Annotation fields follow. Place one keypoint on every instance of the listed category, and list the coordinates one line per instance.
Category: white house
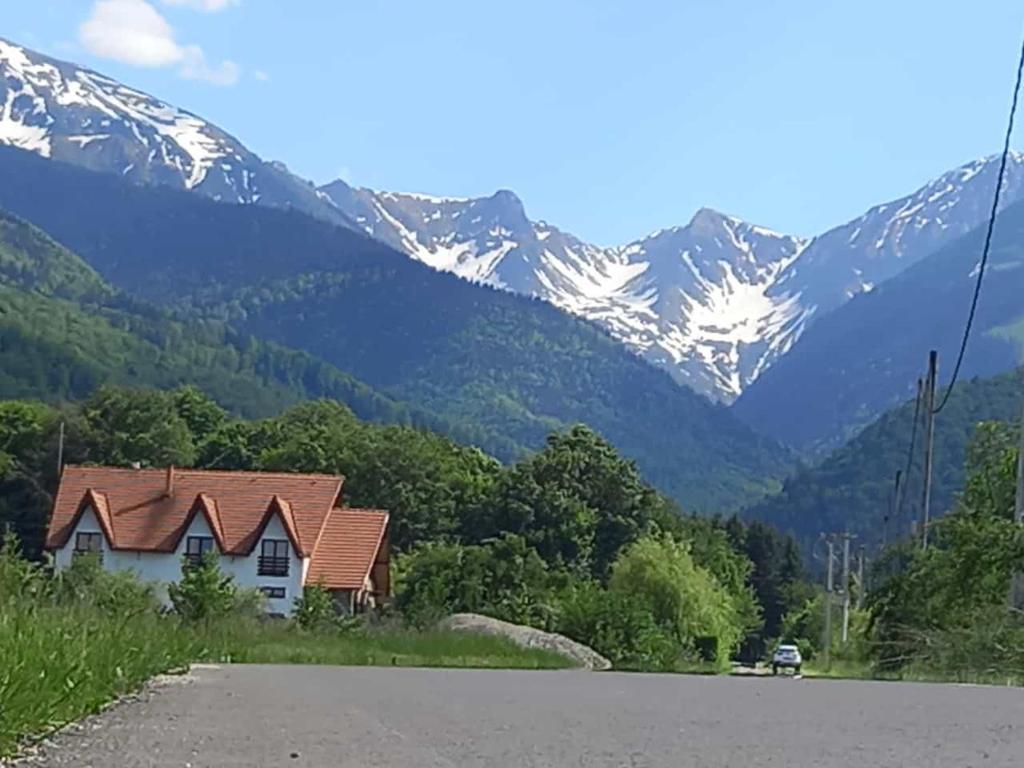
(276, 532)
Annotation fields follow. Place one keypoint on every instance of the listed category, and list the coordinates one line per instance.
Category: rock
(528, 637)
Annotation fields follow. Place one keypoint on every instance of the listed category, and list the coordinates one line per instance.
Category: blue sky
(609, 119)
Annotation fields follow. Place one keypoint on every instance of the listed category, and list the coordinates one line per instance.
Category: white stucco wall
(162, 568)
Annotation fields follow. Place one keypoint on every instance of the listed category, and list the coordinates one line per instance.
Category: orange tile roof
(347, 548)
(136, 513)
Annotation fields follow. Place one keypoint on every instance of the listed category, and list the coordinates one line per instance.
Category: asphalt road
(329, 716)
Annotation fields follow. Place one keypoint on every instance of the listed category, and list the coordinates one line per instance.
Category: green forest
(852, 488)
(493, 369)
(568, 538)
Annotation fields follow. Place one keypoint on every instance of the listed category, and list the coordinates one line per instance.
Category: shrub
(502, 578)
(315, 612)
(117, 593)
(204, 592)
(685, 600)
(616, 627)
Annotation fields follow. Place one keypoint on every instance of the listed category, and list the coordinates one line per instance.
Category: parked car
(786, 657)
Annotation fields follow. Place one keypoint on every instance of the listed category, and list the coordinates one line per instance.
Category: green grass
(277, 643)
(860, 670)
(71, 645)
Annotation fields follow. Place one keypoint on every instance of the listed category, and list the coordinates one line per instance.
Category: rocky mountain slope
(865, 357)
(716, 302)
(66, 112)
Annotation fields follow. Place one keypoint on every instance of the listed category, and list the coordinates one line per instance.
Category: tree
(684, 599)
(960, 583)
(502, 578)
(577, 502)
(201, 414)
(137, 425)
(616, 626)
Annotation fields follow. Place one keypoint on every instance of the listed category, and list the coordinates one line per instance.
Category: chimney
(169, 490)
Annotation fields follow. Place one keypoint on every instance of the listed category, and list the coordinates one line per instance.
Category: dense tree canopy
(568, 538)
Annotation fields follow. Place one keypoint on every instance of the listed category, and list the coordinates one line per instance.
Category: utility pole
(1018, 507)
(846, 587)
(861, 586)
(60, 451)
(894, 505)
(929, 440)
(1017, 579)
(828, 604)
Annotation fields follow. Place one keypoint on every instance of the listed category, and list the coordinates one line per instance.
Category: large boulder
(528, 637)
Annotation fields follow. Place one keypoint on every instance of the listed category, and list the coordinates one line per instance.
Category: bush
(685, 600)
(503, 578)
(616, 627)
(117, 593)
(315, 612)
(204, 592)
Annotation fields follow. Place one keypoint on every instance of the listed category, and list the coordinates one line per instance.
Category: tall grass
(71, 644)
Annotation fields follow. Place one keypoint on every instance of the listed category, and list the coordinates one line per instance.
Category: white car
(786, 657)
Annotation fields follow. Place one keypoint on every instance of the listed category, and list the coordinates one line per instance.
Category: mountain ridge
(516, 368)
(715, 302)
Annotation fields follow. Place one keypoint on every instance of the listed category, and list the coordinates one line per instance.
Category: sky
(610, 119)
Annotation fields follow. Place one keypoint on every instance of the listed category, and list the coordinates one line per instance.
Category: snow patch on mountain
(76, 115)
(715, 302)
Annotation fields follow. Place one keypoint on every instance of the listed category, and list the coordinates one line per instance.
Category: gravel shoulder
(335, 716)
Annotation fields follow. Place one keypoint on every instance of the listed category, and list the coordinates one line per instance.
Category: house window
(273, 559)
(196, 547)
(274, 593)
(89, 544)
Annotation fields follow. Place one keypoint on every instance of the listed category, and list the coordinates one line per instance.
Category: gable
(235, 506)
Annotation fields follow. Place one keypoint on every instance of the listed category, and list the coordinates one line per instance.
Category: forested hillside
(514, 367)
(64, 331)
(850, 490)
(547, 541)
(864, 357)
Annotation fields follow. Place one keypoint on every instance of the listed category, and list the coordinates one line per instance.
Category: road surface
(330, 716)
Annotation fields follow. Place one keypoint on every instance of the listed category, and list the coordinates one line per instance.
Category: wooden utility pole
(1017, 579)
(828, 605)
(846, 588)
(894, 506)
(929, 441)
(1018, 506)
(60, 451)
(861, 586)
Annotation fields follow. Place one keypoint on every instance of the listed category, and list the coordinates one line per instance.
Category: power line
(902, 490)
(988, 236)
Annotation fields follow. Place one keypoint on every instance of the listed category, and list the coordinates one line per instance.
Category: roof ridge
(196, 470)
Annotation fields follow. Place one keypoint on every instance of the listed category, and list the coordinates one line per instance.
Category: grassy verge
(60, 664)
(70, 645)
(277, 643)
(858, 670)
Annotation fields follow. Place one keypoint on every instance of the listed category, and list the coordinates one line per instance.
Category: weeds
(70, 644)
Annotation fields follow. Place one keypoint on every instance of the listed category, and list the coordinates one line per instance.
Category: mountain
(64, 331)
(514, 366)
(850, 489)
(865, 357)
(716, 302)
(69, 113)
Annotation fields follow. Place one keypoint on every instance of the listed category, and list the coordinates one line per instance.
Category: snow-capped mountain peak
(715, 301)
(69, 113)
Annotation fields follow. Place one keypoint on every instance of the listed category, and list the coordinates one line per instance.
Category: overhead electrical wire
(910, 452)
(988, 237)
